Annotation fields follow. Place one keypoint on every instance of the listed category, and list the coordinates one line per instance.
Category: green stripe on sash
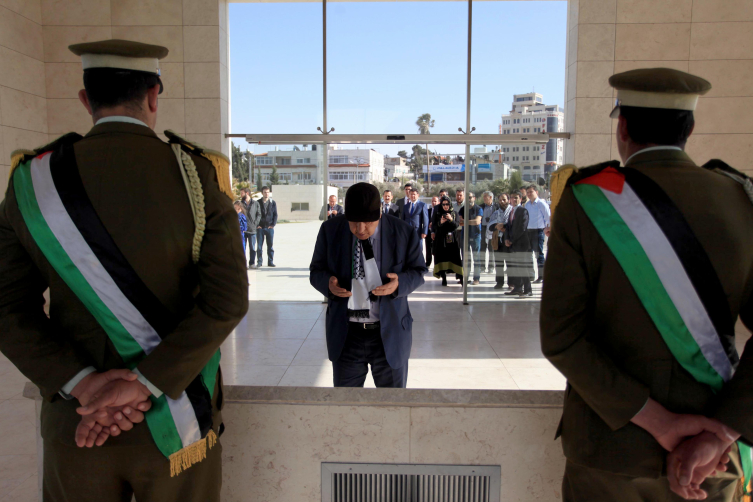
(747, 463)
(646, 283)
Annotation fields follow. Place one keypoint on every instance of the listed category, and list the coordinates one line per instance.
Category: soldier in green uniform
(646, 276)
(138, 243)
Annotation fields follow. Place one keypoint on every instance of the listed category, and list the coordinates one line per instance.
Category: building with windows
(395, 168)
(529, 115)
(301, 165)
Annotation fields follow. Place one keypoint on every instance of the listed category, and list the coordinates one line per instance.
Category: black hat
(362, 203)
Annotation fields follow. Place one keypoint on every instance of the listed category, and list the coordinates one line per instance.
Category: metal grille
(409, 483)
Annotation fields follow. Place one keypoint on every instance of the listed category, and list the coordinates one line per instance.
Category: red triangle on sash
(608, 179)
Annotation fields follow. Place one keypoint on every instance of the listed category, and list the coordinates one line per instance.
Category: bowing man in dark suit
(416, 215)
(516, 239)
(331, 209)
(388, 208)
(367, 265)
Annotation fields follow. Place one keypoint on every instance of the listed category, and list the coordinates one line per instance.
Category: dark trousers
(267, 234)
(500, 259)
(536, 238)
(519, 269)
(429, 244)
(586, 484)
(251, 238)
(474, 245)
(364, 347)
(115, 474)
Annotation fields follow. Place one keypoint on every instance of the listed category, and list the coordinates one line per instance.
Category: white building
(529, 115)
(396, 168)
(303, 165)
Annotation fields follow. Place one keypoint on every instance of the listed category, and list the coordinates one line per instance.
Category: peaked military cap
(657, 88)
(120, 55)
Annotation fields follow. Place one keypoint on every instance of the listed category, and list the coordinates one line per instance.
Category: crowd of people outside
(257, 220)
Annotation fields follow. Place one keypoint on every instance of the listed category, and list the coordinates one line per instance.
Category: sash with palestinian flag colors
(64, 224)
(669, 271)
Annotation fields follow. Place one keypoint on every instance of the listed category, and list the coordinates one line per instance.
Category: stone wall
(40, 78)
(710, 38)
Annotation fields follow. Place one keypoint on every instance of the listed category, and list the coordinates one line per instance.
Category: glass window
(264, 161)
(300, 206)
(338, 159)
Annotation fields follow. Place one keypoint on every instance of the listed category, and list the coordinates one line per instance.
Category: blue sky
(389, 62)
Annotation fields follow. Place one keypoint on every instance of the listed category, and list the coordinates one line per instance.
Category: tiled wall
(710, 38)
(40, 78)
(23, 104)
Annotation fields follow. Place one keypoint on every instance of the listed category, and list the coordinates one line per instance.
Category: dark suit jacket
(595, 330)
(517, 231)
(400, 203)
(210, 297)
(393, 210)
(270, 219)
(325, 208)
(400, 254)
(419, 219)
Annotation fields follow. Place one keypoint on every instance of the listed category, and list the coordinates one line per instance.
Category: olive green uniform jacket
(595, 330)
(135, 184)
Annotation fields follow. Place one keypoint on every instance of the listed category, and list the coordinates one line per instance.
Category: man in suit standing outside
(388, 208)
(253, 215)
(331, 209)
(367, 265)
(516, 240)
(416, 215)
(401, 203)
(266, 228)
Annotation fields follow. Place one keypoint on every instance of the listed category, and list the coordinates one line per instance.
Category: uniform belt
(366, 325)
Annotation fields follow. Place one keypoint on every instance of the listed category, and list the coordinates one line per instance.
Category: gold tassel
(222, 165)
(558, 182)
(16, 157)
(191, 454)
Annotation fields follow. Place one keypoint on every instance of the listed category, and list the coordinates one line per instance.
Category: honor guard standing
(138, 243)
(646, 277)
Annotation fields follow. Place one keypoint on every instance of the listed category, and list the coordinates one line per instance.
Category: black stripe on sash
(67, 179)
(68, 183)
(693, 257)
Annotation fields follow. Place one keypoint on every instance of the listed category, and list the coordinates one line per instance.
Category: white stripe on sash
(672, 274)
(104, 286)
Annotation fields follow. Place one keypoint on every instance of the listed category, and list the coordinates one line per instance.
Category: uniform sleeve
(736, 398)
(566, 337)
(220, 305)
(27, 337)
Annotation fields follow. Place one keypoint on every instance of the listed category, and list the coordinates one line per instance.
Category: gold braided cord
(191, 454)
(745, 182)
(196, 194)
(558, 182)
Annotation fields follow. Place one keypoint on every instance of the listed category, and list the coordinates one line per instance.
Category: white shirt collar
(653, 148)
(120, 118)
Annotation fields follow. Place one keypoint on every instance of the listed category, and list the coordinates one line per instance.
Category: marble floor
(455, 346)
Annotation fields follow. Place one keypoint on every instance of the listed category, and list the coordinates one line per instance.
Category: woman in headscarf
(445, 249)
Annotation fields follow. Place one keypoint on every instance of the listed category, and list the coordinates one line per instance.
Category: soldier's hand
(84, 391)
(693, 461)
(336, 290)
(116, 394)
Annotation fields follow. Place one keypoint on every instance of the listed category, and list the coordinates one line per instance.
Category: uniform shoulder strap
(721, 167)
(18, 157)
(218, 159)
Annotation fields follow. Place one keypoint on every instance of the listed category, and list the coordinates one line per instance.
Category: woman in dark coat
(445, 249)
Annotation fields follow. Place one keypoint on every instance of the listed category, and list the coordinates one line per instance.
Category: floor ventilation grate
(348, 482)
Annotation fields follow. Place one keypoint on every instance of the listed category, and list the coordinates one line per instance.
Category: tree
(258, 181)
(403, 154)
(274, 178)
(424, 123)
(516, 181)
(240, 163)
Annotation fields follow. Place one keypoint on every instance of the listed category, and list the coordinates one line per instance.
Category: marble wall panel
(729, 78)
(4, 173)
(30, 9)
(621, 66)
(23, 110)
(15, 139)
(596, 11)
(171, 114)
(167, 36)
(571, 81)
(67, 115)
(520, 440)
(591, 149)
(596, 42)
(659, 42)
(64, 80)
(592, 115)
(211, 141)
(201, 44)
(277, 450)
(58, 38)
(724, 115)
(572, 46)
(722, 41)
(20, 34)
(147, 12)
(21, 72)
(651, 11)
(734, 149)
(705, 11)
(593, 79)
(201, 13)
(78, 13)
(573, 11)
(203, 116)
(203, 80)
(224, 47)
(224, 11)
(173, 80)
